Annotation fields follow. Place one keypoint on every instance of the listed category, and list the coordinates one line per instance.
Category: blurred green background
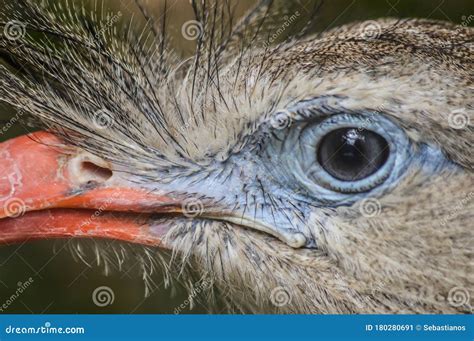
(62, 284)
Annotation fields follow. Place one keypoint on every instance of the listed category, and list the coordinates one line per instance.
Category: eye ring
(375, 124)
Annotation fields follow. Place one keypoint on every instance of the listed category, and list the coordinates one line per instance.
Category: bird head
(326, 174)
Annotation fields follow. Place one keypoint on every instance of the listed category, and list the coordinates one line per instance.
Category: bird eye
(351, 154)
(342, 154)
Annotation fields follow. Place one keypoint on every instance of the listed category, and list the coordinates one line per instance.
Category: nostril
(95, 172)
(89, 169)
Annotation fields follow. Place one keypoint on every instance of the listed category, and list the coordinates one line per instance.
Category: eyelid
(311, 109)
(318, 107)
(344, 120)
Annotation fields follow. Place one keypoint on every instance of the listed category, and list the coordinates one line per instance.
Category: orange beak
(48, 190)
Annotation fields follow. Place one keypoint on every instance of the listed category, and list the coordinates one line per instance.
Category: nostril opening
(95, 172)
(87, 169)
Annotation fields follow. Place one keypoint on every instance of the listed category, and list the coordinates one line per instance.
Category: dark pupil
(351, 154)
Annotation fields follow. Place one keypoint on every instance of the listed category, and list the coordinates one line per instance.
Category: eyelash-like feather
(72, 69)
